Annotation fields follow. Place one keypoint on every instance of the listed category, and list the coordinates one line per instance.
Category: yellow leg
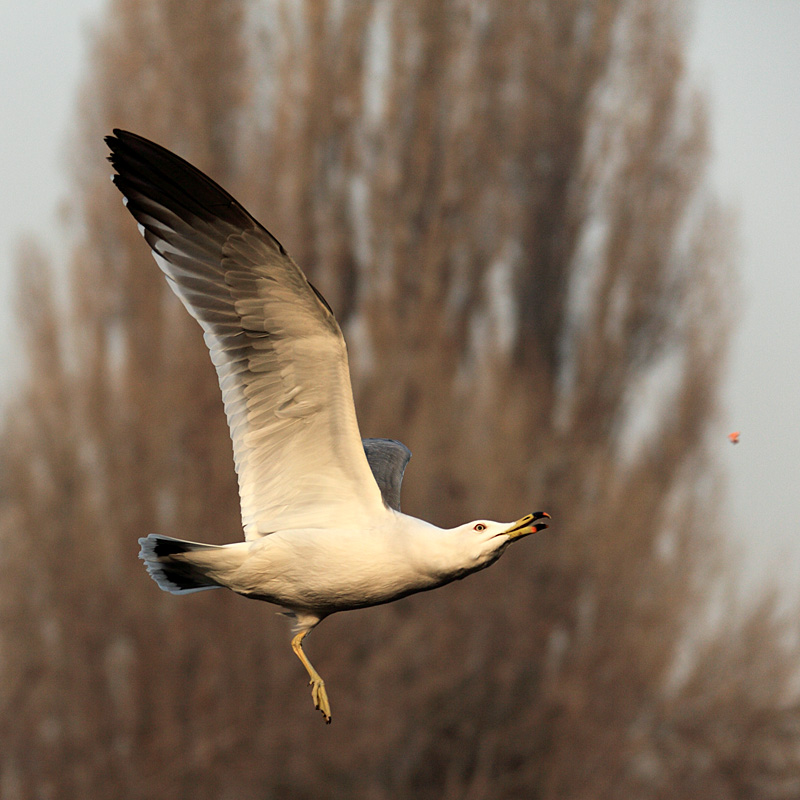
(318, 693)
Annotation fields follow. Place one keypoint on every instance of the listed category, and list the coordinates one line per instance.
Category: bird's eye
(479, 527)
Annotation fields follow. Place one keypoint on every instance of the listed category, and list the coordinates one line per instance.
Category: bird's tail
(161, 556)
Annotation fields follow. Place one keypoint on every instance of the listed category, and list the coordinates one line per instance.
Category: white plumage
(320, 508)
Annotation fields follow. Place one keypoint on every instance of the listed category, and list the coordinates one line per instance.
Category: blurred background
(547, 229)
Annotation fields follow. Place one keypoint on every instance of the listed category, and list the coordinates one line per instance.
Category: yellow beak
(527, 525)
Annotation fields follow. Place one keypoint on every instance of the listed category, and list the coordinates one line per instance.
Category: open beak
(527, 525)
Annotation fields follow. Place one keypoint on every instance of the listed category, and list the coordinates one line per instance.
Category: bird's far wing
(278, 350)
(387, 460)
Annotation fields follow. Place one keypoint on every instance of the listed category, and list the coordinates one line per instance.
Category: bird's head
(485, 540)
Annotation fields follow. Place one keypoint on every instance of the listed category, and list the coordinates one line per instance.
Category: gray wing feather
(279, 353)
(387, 459)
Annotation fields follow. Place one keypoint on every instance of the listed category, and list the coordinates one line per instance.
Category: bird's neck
(442, 553)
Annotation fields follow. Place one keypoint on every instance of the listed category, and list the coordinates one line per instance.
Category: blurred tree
(504, 204)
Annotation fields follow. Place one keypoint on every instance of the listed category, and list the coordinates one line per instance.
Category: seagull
(323, 530)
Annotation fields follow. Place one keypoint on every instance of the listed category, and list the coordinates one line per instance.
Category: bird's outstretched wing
(278, 350)
(387, 460)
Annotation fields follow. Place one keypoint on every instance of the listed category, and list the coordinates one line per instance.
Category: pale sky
(743, 54)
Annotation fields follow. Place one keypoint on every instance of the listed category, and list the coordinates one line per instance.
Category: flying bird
(323, 530)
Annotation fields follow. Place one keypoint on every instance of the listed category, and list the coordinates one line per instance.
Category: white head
(479, 543)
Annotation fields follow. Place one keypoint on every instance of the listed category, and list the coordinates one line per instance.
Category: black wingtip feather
(155, 171)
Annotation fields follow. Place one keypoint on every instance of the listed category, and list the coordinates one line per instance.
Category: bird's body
(320, 507)
(318, 571)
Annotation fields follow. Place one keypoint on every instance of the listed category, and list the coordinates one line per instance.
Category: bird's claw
(320, 698)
